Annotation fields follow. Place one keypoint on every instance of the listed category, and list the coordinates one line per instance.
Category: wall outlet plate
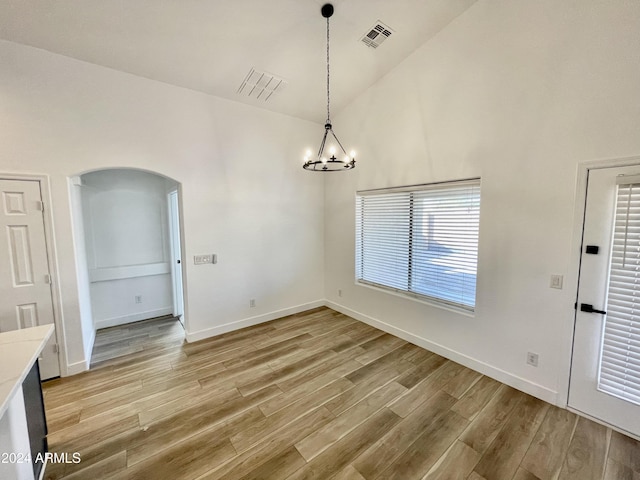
(556, 281)
(532, 359)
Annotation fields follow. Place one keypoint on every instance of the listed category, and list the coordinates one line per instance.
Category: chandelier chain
(328, 92)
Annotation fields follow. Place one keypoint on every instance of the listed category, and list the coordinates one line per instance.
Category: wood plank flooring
(316, 395)
(135, 337)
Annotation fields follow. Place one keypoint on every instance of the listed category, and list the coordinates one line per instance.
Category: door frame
(175, 235)
(573, 280)
(56, 299)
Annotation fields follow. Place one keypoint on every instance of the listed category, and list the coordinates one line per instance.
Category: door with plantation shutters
(605, 372)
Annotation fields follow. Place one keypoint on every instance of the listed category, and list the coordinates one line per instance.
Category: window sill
(417, 298)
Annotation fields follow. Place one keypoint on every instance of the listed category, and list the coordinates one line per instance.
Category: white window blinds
(620, 357)
(422, 241)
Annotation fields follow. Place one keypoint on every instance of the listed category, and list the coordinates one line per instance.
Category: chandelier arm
(341, 147)
(324, 139)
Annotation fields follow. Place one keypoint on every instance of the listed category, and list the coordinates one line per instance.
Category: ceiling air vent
(376, 35)
(260, 85)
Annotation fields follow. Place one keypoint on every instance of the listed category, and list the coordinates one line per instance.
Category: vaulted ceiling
(211, 46)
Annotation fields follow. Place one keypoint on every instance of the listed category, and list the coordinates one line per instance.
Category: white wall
(127, 235)
(518, 93)
(244, 195)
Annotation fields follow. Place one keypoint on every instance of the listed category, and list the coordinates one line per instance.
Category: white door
(176, 256)
(25, 290)
(605, 372)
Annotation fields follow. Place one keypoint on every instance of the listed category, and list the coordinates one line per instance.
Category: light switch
(204, 259)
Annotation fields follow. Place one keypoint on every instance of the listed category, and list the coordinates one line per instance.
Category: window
(421, 241)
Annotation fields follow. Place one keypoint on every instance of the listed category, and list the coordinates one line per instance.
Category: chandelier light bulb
(324, 160)
(332, 150)
(353, 154)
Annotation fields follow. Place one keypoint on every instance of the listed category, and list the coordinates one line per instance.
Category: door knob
(585, 307)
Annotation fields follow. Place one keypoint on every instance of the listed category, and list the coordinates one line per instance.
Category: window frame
(412, 295)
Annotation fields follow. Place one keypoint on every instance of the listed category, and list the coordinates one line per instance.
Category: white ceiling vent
(376, 35)
(260, 85)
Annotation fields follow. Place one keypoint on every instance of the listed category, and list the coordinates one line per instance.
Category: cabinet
(36, 419)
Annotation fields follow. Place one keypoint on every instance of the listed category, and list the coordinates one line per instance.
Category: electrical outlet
(138, 298)
(252, 303)
(556, 282)
(339, 293)
(532, 359)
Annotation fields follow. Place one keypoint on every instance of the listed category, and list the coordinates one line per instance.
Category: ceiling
(210, 46)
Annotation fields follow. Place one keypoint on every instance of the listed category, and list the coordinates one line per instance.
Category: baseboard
(507, 378)
(77, 367)
(134, 317)
(84, 365)
(251, 321)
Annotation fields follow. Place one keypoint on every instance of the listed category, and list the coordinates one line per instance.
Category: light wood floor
(316, 395)
(135, 337)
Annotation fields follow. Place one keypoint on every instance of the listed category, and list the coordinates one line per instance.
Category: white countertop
(19, 350)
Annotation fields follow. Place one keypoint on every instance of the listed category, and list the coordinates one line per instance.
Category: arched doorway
(130, 227)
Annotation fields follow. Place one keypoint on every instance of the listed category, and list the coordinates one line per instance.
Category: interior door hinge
(47, 279)
(40, 205)
(56, 349)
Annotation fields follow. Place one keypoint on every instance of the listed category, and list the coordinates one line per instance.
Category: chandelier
(336, 158)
